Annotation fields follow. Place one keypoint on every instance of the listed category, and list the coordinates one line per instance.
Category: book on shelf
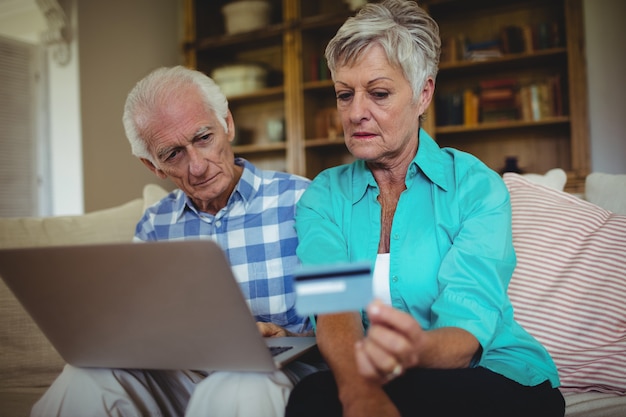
(497, 83)
(499, 100)
(549, 35)
(542, 99)
(314, 67)
(526, 108)
(497, 95)
(451, 49)
(512, 39)
(529, 38)
(557, 94)
(480, 51)
(457, 108)
(449, 109)
(318, 68)
(504, 113)
(471, 103)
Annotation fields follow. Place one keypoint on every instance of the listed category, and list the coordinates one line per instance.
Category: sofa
(28, 363)
(568, 290)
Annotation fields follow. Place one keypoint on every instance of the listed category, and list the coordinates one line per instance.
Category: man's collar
(246, 188)
(249, 182)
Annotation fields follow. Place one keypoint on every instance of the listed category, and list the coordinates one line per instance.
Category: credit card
(322, 289)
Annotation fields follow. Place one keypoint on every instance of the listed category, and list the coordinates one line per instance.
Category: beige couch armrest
(110, 225)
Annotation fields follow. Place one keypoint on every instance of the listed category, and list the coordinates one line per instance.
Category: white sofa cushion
(569, 286)
(555, 178)
(607, 190)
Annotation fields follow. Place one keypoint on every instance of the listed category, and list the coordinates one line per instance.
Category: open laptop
(157, 305)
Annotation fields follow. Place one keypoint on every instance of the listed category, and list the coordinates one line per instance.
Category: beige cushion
(28, 360)
(607, 191)
(151, 194)
(569, 286)
(595, 404)
(103, 226)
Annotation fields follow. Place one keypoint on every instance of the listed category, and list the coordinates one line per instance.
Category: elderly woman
(441, 339)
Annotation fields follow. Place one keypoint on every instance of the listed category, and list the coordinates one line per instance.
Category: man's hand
(272, 330)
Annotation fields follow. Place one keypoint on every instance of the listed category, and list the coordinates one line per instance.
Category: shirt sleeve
(475, 272)
(321, 240)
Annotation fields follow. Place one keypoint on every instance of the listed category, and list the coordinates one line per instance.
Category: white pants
(90, 392)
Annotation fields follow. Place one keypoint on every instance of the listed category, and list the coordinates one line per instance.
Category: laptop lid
(154, 305)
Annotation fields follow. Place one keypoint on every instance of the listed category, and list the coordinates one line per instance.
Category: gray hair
(408, 35)
(156, 90)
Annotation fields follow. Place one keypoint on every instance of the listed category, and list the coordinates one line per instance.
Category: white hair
(156, 90)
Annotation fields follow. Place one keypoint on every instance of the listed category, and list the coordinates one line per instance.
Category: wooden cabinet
(299, 95)
(540, 53)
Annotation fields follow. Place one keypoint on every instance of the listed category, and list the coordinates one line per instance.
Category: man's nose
(197, 163)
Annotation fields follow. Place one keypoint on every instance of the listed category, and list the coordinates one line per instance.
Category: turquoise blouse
(451, 249)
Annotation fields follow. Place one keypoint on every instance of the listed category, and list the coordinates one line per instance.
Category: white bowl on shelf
(240, 79)
(245, 15)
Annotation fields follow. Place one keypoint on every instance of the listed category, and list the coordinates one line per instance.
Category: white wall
(120, 41)
(606, 67)
(65, 139)
(87, 160)
(61, 173)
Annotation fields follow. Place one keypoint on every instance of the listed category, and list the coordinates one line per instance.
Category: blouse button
(394, 278)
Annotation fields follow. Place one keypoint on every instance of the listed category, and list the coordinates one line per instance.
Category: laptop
(154, 305)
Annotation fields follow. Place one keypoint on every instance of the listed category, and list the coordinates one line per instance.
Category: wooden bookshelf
(299, 92)
(557, 139)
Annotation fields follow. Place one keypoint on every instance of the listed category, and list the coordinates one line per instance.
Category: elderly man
(179, 125)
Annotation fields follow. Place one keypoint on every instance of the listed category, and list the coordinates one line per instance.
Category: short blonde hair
(408, 35)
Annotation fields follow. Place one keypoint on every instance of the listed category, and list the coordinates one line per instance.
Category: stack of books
(499, 100)
(511, 39)
(482, 51)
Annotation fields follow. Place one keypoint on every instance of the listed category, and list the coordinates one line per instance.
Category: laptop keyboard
(275, 350)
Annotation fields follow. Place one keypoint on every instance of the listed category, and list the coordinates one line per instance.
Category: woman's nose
(358, 109)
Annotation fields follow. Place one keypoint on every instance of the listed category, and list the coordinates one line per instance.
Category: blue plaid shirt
(256, 230)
